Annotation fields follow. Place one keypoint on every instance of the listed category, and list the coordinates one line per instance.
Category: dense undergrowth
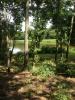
(44, 67)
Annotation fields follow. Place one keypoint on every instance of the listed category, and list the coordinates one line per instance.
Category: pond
(15, 50)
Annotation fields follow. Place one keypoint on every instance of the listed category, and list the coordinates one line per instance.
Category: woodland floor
(25, 86)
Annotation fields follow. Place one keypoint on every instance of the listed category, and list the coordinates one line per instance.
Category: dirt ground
(25, 86)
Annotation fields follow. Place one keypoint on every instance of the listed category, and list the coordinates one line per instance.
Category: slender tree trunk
(57, 27)
(7, 41)
(57, 45)
(68, 44)
(12, 49)
(61, 47)
(8, 54)
(26, 35)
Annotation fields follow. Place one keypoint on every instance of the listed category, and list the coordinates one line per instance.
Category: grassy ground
(46, 42)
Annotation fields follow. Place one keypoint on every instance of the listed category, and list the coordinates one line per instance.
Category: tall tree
(26, 50)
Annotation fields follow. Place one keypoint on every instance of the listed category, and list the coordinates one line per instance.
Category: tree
(26, 34)
(62, 13)
(7, 28)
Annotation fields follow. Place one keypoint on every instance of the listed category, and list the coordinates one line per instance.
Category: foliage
(19, 36)
(19, 58)
(51, 50)
(61, 95)
(50, 34)
(10, 19)
(63, 85)
(66, 69)
(57, 12)
(44, 70)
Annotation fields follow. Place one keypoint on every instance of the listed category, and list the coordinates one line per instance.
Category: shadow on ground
(25, 86)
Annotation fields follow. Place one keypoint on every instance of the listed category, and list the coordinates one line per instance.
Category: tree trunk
(8, 54)
(68, 44)
(61, 47)
(26, 35)
(57, 45)
(11, 53)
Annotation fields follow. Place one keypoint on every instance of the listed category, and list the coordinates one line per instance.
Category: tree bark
(26, 35)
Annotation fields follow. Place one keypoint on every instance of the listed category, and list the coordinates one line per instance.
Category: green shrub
(66, 69)
(61, 95)
(61, 68)
(19, 58)
(70, 70)
(44, 70)
(63, 85)
(51, 50)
